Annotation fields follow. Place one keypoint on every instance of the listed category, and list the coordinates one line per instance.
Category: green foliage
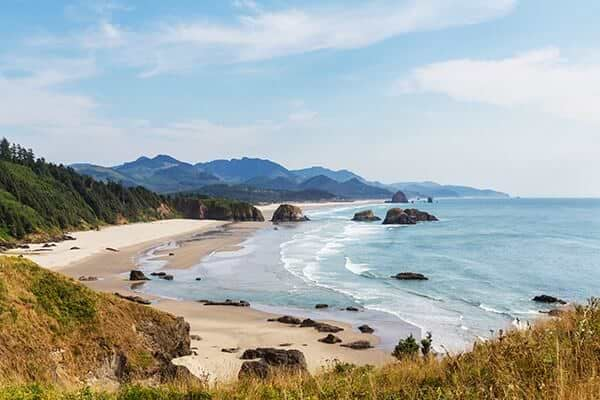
(66, 302)
(406, 348)
(426, 344)
(41, 198)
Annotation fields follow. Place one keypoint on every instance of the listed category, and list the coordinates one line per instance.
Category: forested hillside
(41, 200)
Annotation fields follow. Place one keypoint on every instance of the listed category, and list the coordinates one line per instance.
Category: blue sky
(499, 93)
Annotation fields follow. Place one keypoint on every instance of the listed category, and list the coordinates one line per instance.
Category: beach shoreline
(220, 327)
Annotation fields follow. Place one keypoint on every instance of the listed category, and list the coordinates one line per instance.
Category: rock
(330, 339)
(198, 278)
(285, 344)
(321, 306)
(136, 275)
(135, 299)
(410, 276)
(158, 274)
(353, 309)
(254, 369)
(167, 277)
(358, 345)
(430, 199)
(420, 216)
(366, 329)
(171, 254)
(68, 237)
(399, 197)
(365, 216)
(195, 337)
(87, 278)
(544, 298)
(556, 312)
(273, 361)
(46, 245)
(288, 213)
(320, 326)
(23, 246)
(287, 319)
(397, 216)
(74, 248)
(112, 249)
(228, 302)
(230, 350)
(407, 217)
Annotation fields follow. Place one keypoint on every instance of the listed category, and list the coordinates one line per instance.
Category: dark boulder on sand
(365, 216)
(286, 319)
(330, 339)
(136, 275)
(288, 213)
(358, 345)
(366, 329)
(272, 361)
(399, 197)
(544, 298)
(410, 276)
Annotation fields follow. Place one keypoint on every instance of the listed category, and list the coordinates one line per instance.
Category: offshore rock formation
(399, 197)
(410, 276)
(365, 216)
(288, 213)
(411, 216)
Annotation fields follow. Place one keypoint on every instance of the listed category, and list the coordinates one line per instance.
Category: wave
(355, 268)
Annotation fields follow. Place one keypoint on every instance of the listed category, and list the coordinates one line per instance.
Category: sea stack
(399, 197)
(365, 216)
(289, 213)
(398, 216)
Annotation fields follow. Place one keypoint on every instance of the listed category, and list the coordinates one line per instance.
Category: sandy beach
(219, 327)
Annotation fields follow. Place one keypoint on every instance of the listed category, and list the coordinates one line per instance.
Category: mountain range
(254, 179)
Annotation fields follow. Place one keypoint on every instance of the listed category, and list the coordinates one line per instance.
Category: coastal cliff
(219, 209)
(55, 330)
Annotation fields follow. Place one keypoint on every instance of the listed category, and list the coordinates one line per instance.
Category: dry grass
(53, 329)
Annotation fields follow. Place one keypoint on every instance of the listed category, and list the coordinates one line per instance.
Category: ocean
(485, 260)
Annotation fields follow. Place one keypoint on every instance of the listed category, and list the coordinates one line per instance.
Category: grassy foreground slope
(53, 329)
(558, 359)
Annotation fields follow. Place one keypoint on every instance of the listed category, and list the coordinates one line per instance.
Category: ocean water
(485, 260)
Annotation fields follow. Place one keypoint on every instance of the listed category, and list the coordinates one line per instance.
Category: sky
(501, 94)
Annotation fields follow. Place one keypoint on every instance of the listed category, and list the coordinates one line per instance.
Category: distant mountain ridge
(248, 176)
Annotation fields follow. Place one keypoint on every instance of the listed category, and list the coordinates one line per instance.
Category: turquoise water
(485, 260)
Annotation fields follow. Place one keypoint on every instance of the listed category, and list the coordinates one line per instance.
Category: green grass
(69, 304)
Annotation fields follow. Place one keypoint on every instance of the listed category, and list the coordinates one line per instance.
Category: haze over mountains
(263, 180)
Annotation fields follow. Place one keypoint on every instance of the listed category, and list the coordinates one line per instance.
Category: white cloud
(259, 34)
(540, 80)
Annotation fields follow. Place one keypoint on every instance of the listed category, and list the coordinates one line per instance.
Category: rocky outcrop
(228, 302)
(222, 210)
(366, 329)
(544, 298)
(365, 216)
(136, 275)
(272, 361)
(135, 299)
(286, 319)
(410, 276)
(320, 326)
(358, 345)
(330, 339)
(398, 216)
(321, 306)
(399, 197)
(288, 213)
